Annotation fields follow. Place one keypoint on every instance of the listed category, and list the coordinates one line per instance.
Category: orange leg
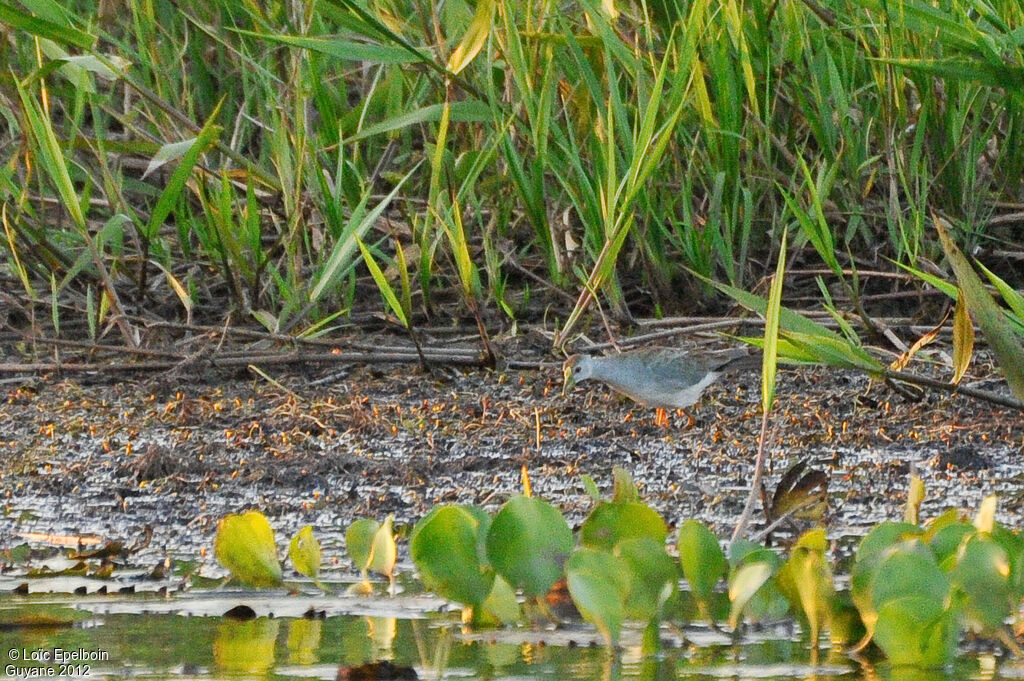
(690, 421)
(661, 418)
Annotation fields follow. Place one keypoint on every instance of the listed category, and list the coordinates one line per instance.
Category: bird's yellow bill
(566, 379)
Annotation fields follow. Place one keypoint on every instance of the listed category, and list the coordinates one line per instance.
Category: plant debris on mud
(315, 445)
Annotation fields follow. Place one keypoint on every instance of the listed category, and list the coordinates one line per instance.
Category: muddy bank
(121, 459)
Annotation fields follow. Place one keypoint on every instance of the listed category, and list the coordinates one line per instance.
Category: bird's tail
(747, 362)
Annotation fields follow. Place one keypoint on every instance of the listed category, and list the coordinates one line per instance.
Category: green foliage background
(587, 147)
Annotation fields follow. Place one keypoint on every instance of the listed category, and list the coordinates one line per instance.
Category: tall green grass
(503, 149)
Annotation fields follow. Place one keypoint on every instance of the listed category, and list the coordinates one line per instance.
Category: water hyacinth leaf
(611, 522)
(915, 495)
(501, 603)
(997, 330)
(908, 568)
(743, 584)
(444, 548)
(870, 553)
(767, 602)
(528, 543)
(982, 574)
(845, 625)
(946, 543)
(245, 546)
(702, 560)
(985, 520)
(599, 584)
(304, 551)
(950, 516)
(383, 551)
(963, 339)
(916, 631)
(912, 621)
(623, 485)
(651, 570)
(806, 580)
(1013, 545)
(359, 541)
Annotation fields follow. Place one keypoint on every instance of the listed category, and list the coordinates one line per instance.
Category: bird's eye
(576, 369)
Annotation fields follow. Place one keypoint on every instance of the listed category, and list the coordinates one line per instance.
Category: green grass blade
(340, 260)
(172, 192)
(771, 330)
(383, 284)
(58, 33)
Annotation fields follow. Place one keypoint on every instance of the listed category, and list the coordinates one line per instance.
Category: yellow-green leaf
(963, 338)
(475, 37)
(304, 551)
(771, 331)
(384, 552)
(245, 546)
(986, 518)
(915, 495)
(383, 284)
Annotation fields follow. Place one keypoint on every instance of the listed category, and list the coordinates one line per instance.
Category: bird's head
(577, 368)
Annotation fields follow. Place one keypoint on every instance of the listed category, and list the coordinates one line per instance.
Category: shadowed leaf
(1000, 336)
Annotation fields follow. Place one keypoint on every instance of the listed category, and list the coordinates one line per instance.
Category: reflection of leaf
(246, 647)
(1005, 345)
(982, 574)
(304, 636)
(963, 339)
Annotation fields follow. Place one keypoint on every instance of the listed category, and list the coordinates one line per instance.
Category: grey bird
(664, 378)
